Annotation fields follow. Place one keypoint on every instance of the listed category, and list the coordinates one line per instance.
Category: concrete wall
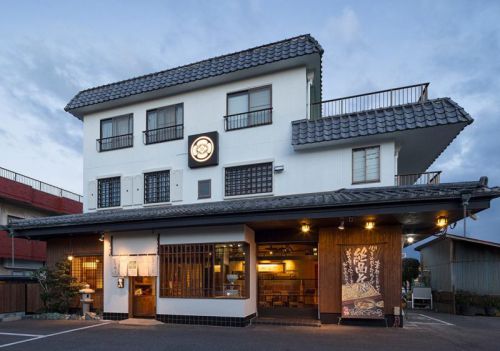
(305, 170)
(116, 299)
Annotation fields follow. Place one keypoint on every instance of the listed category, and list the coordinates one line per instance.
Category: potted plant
(464, 304)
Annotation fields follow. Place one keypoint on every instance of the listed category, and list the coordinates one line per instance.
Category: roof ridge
(307, 36)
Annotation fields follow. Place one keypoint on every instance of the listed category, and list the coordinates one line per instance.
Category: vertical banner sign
(362, 281)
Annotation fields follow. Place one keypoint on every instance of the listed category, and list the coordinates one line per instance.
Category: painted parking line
(435, 319)
(17, 334)
(38, 337)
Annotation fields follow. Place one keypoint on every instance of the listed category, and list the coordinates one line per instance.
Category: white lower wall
(212, 307)
(117, 299)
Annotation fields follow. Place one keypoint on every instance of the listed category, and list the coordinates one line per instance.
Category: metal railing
(38, 185)
(374, 100)
(248, 119)
(158, 135)
(115, 142)
(425, 178)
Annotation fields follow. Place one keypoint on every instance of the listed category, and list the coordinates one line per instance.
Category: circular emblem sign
(202, 149)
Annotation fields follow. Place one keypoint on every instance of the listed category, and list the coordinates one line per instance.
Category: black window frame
(178, 127)
(265, 116)
(121, 141)
(251, 187)
(110, 202)
(200, 183)
(158, 191)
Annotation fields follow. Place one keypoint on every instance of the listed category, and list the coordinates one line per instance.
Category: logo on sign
(203, 150)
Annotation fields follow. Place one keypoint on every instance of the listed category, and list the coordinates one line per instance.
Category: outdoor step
(286, 322)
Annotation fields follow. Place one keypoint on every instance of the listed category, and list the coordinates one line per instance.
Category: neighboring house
(229, 188)
(24, 197)
(455, 263)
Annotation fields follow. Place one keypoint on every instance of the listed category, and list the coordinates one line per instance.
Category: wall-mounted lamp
(341, 226)
(279, 169)
(70, 257)
(442, 221)
(101, 237)
(369, 225)
(305, 228)
(410, 240)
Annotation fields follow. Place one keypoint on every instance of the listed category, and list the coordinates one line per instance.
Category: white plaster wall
(305, 171)
(211, 307)
(116, 299)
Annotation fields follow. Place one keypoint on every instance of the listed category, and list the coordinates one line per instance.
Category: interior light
(369, 225)
(442, 221)
(341, 226)
(305, 228)
(70, 257)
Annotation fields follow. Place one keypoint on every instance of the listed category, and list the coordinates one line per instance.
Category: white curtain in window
(372, 164)
(122, 125)
(152, 118)
(260, 99)
(107, 128)
(358, 166)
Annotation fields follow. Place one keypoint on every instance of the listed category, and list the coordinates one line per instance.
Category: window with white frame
(366, 165)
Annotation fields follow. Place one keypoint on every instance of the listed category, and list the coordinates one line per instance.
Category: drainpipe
(310, 79)
(465, 202)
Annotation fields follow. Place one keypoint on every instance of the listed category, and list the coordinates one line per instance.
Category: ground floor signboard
(362, 281)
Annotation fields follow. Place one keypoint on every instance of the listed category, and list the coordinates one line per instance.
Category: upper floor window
(164, 124)
(366, 165)
(157, 187)
(116, 133)
(249, 108)
(249, 179)
(108, 192)
(205, 189)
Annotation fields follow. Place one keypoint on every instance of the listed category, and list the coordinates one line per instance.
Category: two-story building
(229, 188)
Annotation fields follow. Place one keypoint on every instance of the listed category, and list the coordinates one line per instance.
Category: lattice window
(88, 269)
(249, 179)
(204, 270)
(108, 192)
(157, 187)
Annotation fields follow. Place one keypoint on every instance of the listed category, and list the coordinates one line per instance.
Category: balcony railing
(248, 119)
(159, 135)
(38, 185)
(115, 142)
(425, 178)
(363, 102)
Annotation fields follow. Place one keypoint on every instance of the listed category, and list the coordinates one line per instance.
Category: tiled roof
(322, 200)
(385, 120)
(261, 55)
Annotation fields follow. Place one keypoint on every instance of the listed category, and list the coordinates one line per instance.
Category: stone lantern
(86, 298)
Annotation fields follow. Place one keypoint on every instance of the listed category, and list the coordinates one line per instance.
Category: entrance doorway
(143, 297)
(288, 280)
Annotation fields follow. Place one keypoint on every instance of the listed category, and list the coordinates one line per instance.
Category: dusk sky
(49, 50)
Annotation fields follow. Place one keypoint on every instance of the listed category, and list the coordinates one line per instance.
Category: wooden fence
(19, 297)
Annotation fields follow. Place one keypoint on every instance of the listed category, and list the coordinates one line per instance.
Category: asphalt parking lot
(423, 331)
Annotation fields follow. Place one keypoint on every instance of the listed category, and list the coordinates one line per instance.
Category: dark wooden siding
(329, 248)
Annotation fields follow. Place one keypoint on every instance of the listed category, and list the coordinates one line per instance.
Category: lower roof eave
(453, 206)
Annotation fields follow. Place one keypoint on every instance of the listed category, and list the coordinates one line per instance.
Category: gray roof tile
(261, 55)
(385, 120)
(330, 199)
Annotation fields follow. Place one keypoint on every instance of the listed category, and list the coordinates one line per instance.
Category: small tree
(410, 271)
(58, 287)
(42, 276)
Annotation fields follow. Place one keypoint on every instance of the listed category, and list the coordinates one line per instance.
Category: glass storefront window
(204, 270)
